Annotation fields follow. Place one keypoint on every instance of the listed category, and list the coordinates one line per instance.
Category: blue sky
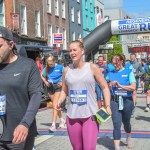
(134, 8)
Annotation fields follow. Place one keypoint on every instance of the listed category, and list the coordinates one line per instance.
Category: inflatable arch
(101, 34)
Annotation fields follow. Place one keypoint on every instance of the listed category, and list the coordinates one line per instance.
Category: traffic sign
(57, 38)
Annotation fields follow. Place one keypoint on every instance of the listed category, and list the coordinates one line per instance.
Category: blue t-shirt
(146, 68)
(124, 77)
(55, 73)
(128, 65)
(110, 67)
(105, 69)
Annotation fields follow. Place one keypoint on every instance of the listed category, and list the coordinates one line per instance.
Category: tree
(117, 47)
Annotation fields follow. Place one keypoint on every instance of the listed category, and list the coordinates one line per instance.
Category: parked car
(31, 51)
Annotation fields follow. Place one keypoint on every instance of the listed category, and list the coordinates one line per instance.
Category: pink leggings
(83, 133)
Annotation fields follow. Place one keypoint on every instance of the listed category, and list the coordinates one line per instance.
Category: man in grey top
(138, 72)
(21, 84)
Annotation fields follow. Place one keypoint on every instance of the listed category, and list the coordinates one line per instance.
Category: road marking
(102, 133)
(41, 139)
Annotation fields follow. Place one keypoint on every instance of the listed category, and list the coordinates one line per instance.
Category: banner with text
(139, 49)
(130, 26)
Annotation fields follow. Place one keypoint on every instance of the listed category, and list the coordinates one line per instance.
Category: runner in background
(142, 78)
(103, 67)
(121, 83)
(39, 61)
(52, 77)
(147, 84)
(138, 72)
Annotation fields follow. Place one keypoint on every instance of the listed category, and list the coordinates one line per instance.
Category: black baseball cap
(6, 33)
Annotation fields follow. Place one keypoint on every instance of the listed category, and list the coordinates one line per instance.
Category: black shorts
(54, 88)
(142, 79)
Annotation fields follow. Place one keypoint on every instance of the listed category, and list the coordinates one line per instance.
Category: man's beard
(4, 58)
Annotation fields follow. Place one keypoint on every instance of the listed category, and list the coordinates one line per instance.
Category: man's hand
(20, 134)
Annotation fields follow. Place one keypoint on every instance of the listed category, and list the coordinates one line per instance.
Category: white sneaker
(52, 128)
(62, 124)
(147, 109)
(117, 147)
(129, 142)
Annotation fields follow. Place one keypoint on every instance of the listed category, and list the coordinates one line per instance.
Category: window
(49, 6)
(23, 20)
(37, 24)
(79, 36)
(73, 36)
(101, 12)
(63, 9)
(91, 8)
(86, 17)
(72, 14)
(146, 38)
(50, 41)
(78, 15)
(57, 30)
(91, 23)
(2, 13)
(86, 4)
(56, 8)
(64, 39)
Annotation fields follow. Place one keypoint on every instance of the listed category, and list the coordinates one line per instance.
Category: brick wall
(31, 7)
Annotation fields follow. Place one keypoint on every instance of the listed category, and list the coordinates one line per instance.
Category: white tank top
(81, 92)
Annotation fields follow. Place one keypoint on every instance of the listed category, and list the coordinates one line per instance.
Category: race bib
(121, 92)
(2, 105)
(133, 70)
(78, 97)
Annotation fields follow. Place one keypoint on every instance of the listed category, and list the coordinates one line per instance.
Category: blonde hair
(80, 42)
(50, 58)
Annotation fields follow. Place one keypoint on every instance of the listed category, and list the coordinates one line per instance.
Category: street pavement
(59, 140)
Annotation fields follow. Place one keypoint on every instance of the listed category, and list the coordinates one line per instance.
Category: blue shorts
(99, 93)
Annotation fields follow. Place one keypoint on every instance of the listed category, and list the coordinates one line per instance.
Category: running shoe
(62, 124)
(52, 128)
(117, 147)
(147, 109)
(129, 142)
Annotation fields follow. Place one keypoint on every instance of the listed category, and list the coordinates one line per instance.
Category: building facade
(23, 17)
(99, 12)
(88, 16)
(55, 20)
(34, 21)
(75, 19)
